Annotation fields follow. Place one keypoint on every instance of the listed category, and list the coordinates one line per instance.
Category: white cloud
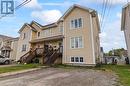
(52, 4)
(47, 16)
(113, 2)
(34, 4)
(112, 37)
(63, 4)
(103, 35)
(118, 15)
(99, 17)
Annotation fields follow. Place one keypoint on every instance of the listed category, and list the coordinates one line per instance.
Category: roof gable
(72, 8)
(37, 24)
(50, 25)
(25, 25)
(5, 37)
(30, 26)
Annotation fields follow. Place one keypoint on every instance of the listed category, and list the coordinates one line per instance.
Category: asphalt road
(61, 77)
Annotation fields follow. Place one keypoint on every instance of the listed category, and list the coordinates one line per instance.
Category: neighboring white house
(125, 26)
(8, 46)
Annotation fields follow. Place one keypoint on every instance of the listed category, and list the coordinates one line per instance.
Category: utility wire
(104, 12)
(108, 13)
(22, 4)
(101, 16)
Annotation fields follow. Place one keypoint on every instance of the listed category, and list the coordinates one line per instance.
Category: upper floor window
(61, 29)
(38, 34)
(76, 42)
(76, 23)
(47, 32)
(24, 35)
(24, 46)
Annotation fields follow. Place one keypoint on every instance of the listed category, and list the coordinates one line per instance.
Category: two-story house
(125, 26)
(76, 34)
(8, 46)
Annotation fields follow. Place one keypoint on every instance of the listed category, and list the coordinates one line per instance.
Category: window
(80, 22)
(72, 23)
(38, 34)
(76, 23)
(77, 59)
(81, 59)
(24, 35)
(72, 59)
(76, 42)
(61, 29)
(47, 32)
(24, 47)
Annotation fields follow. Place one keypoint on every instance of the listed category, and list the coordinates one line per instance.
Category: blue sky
(48, 11)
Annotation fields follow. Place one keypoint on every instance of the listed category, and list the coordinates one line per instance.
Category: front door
(46, 48)
(61, 47)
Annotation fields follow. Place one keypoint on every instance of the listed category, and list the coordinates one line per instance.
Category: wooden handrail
(24, 57)
(25, 54)
(52, 56)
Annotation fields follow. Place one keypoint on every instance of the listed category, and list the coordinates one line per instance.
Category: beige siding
(35, 34)
(27, 30)
(89, 33)
(85, 32)
(54, 31)
(96, 39)
(14, 46)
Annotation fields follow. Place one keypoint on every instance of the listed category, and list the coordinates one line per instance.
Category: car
(4, 60)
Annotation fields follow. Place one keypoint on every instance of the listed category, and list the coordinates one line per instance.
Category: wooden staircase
(49, 56)
(53, 57)
(29, 56)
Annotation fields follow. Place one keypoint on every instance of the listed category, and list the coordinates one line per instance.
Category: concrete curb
(18, 72)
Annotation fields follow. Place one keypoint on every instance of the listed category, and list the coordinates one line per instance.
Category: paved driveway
(61, 77)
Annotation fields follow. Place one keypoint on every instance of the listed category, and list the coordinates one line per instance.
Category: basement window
(77, 59)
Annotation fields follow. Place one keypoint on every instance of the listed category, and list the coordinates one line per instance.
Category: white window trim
(39, 35)
(74, 43)
(24, 49)
(78, 28)
(79, 59)
(23, 36)
(48, 34)
(62, 29)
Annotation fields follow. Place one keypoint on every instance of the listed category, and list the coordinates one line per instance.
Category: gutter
(92, 40)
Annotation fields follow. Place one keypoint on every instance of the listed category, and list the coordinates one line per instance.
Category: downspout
(92, 40)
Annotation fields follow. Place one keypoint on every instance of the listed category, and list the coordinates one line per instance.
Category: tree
(115, 52)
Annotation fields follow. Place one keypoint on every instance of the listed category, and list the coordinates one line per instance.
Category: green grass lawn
(18, 67)
(123, 71)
